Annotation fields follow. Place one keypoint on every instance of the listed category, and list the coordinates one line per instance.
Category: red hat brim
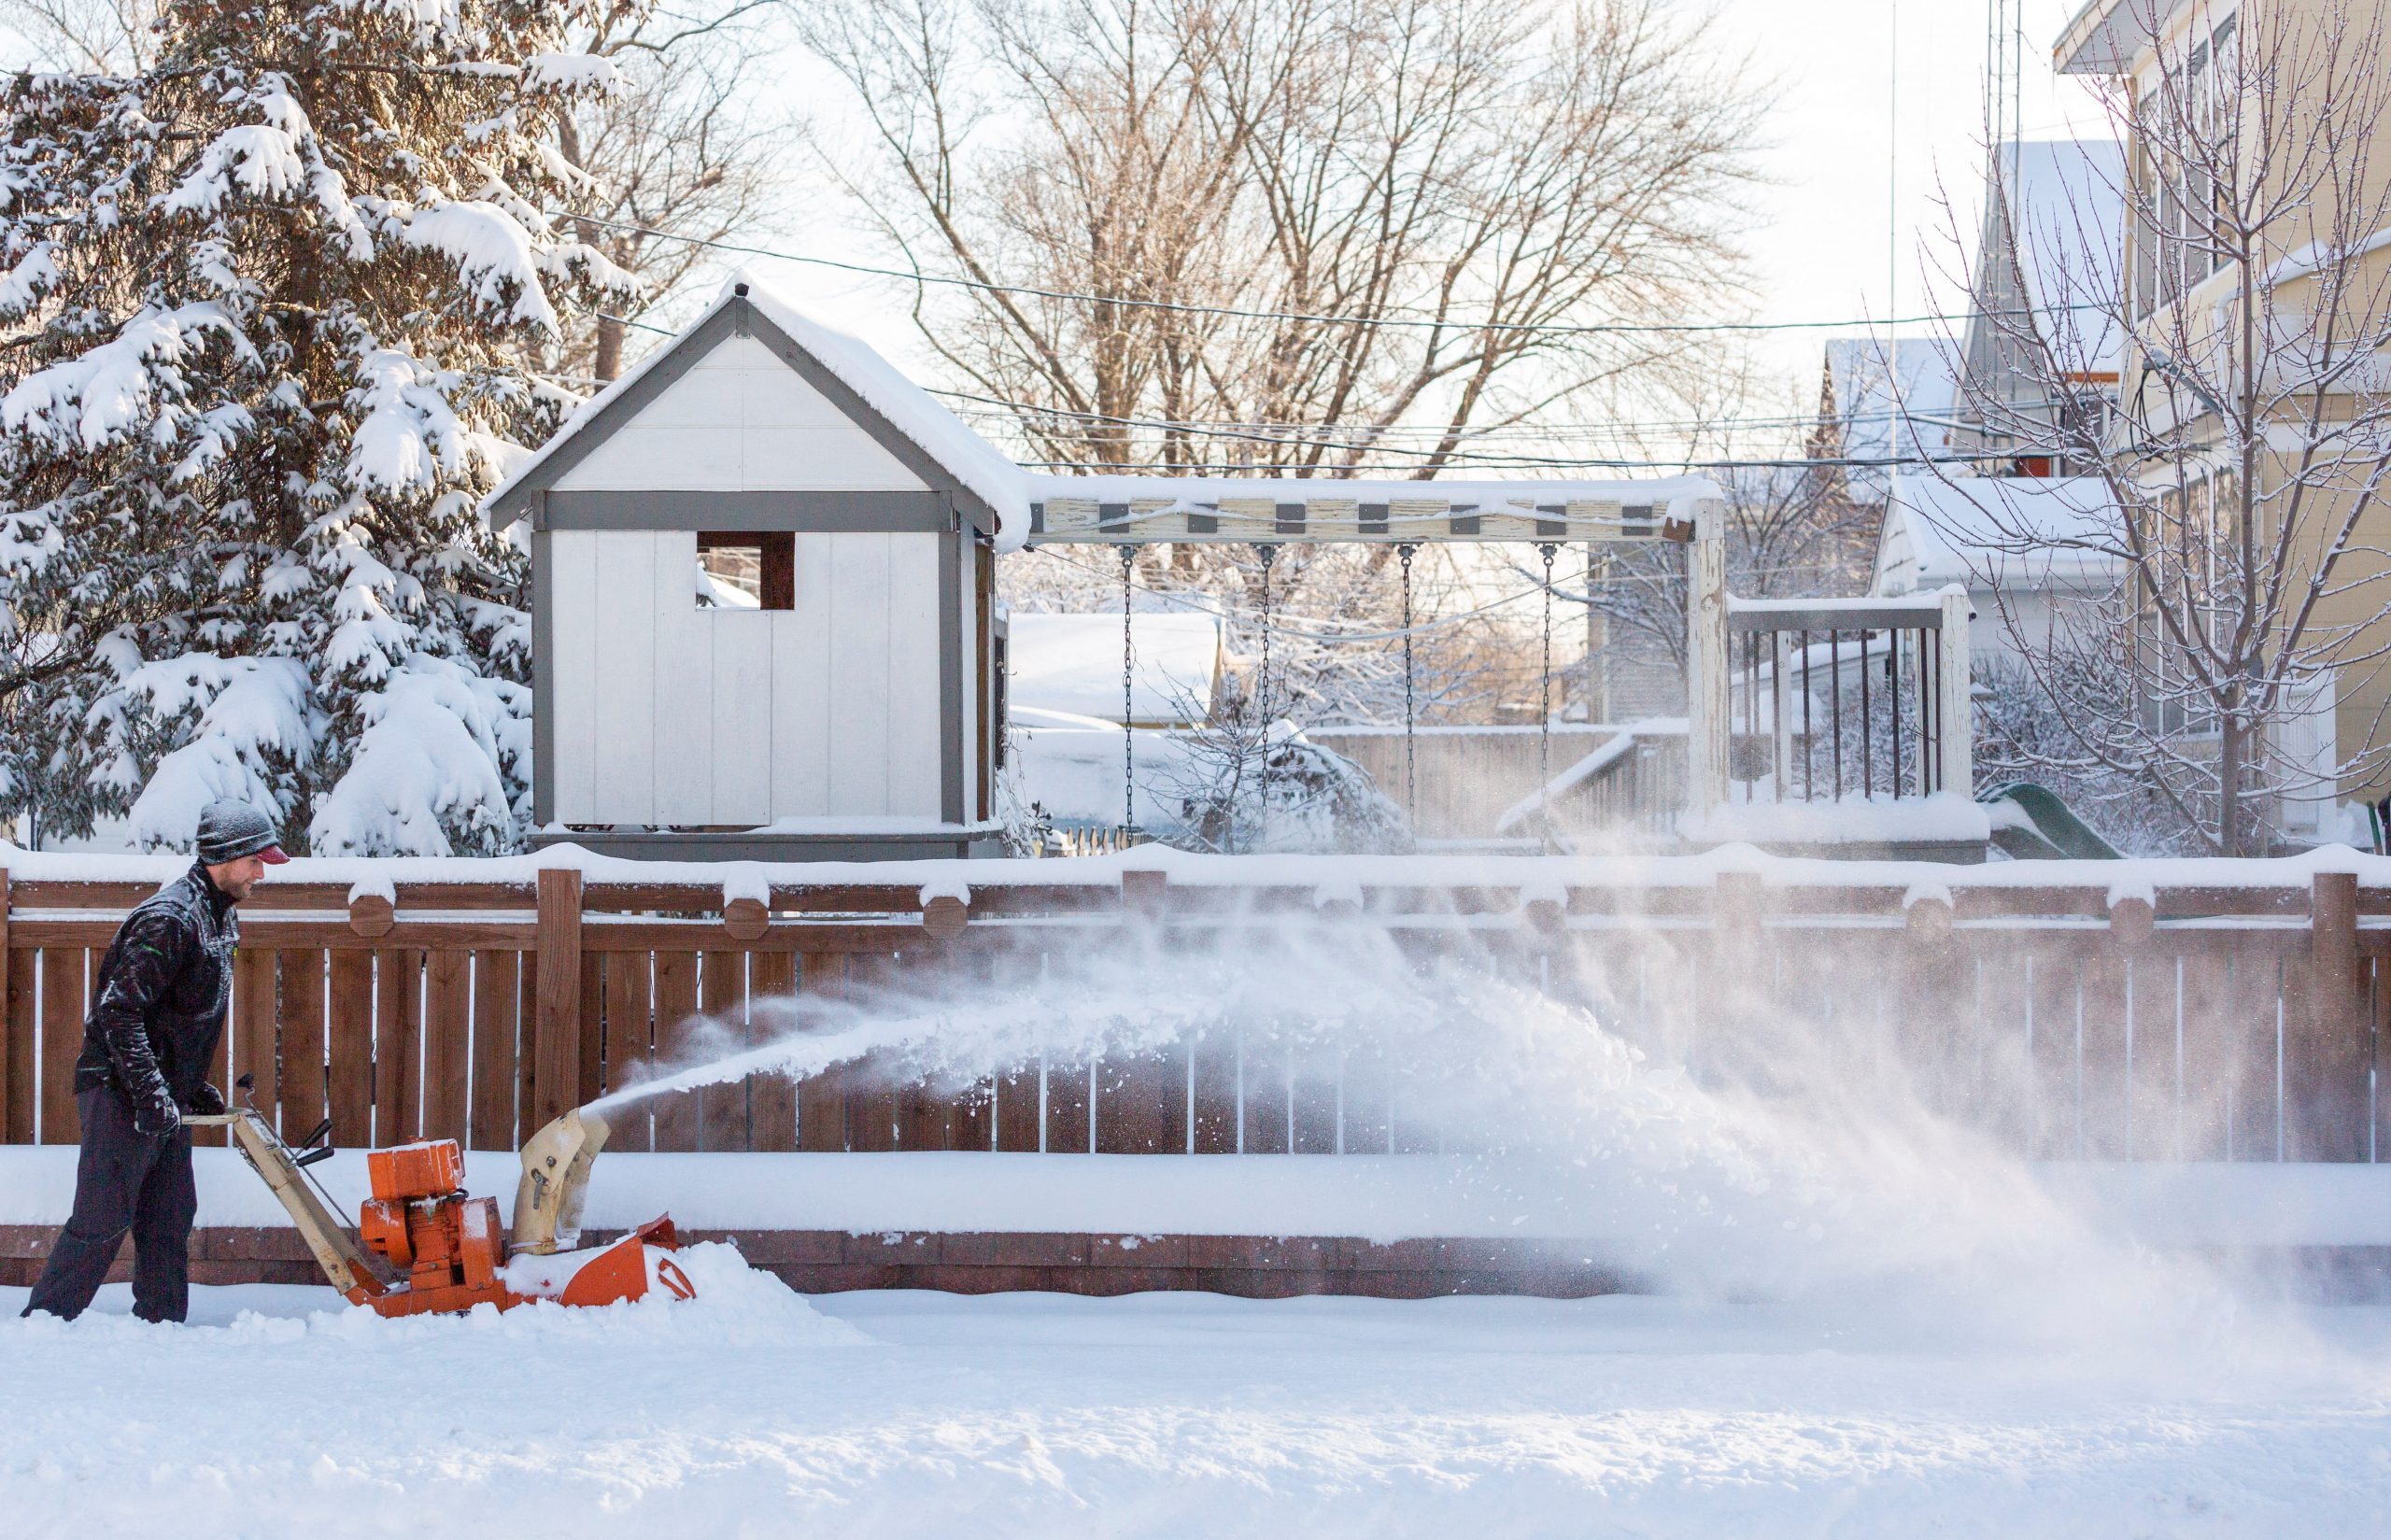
(272, 856)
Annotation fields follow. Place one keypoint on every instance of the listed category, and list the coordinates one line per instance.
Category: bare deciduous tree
(1315, 235)
(2240, 476)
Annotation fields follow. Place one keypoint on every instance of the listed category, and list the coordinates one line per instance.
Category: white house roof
(1892, 401)
(2067, 202)
(985, 471)
(2016, 532)
(1071, 664)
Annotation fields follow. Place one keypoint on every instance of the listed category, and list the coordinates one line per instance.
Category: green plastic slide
(2040, 828)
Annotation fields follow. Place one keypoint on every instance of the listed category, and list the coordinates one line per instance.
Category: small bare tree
(2238, 478)
(84, 36)
(681, 154)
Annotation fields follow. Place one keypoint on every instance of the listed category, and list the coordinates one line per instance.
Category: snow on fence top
(1185, 868)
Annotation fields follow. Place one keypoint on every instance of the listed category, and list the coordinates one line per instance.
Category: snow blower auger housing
(423, 1245)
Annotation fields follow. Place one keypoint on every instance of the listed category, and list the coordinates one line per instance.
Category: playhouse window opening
(748, 570)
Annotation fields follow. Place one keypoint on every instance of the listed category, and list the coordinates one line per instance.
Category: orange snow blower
(423, 1245)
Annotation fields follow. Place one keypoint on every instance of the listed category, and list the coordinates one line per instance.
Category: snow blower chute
(423, 1245)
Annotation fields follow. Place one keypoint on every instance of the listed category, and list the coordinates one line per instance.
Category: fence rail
(2192, 1021)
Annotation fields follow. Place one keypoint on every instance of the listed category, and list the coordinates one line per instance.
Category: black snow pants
(124, 1180)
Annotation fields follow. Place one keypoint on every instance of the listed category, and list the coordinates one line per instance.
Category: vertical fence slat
(61, 1039)
(303, 1088)
(1141, 1103)
(722, 995)
(589, 1065)
(1213, 1070)
(1366, 1131)
(447, 1042)
(255, 1015)
(350, 1032)
(22, 1008)
(2103, 1097)
(2207, 1068)
(398, 1045)
(219, 1076)
(2151, 1122)
(2056, 998)
(526, 1032)
(1265, 1061)
(872, 1093)
(771, 1100)
(1314, 1117)
(2327, 1043)
(628, 1042)
(821, 1098)
(553, 1051)
(675, 1113)
(1069, 1107)
(2256, 1020)
(497, 978)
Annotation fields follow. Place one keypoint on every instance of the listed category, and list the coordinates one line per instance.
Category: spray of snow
(1797, 1166)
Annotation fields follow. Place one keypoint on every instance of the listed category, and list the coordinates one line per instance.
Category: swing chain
(1128, 670)
(1544, 719)
(1404, 553)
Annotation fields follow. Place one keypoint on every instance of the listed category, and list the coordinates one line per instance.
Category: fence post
(1706, 695)
(555, 1033)
(1956, 709)
(2325, 1056)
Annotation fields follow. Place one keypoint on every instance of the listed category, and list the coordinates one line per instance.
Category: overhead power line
(1177, 307)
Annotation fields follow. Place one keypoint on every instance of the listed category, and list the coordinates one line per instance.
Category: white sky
(1845, 179)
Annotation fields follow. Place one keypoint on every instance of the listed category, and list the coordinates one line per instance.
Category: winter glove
(205, 1101)
(155, 1117)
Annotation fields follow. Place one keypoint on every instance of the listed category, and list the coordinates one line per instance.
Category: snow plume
(1793, 1159)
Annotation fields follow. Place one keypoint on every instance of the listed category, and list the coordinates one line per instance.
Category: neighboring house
(2047, 254)
(1878, 405)
(2179, 61)
(1071, 665)
(1980, 533)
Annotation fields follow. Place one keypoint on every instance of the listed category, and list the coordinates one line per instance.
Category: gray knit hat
(229, 831)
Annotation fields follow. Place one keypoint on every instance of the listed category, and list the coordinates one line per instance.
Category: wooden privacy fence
(2205, 1020)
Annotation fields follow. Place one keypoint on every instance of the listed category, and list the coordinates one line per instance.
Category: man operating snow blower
(157, 1013)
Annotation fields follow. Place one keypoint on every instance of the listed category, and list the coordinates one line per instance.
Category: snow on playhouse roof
(2017, 533)
(1011, 492)
(970, 459)
(1071, 664)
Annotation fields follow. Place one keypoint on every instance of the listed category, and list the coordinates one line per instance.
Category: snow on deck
(750, 1412)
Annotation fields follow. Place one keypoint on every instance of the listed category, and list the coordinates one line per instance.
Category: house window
(746, 570)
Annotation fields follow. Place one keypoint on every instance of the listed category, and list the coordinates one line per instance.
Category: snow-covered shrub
(270, 302)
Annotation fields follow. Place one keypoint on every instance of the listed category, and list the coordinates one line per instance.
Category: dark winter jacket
(158, 1002)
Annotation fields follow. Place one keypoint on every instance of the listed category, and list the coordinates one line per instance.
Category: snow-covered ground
(752, 1412)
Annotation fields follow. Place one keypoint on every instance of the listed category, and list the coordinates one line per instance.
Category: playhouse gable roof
(763, 360)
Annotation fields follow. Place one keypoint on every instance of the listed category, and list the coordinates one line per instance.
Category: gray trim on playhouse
(973, 840)
(822, 511)
(543, 679)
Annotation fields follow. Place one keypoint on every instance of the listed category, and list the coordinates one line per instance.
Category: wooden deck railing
(2199, 1018)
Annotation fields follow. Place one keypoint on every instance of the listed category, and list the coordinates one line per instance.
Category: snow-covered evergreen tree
(265, 313)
